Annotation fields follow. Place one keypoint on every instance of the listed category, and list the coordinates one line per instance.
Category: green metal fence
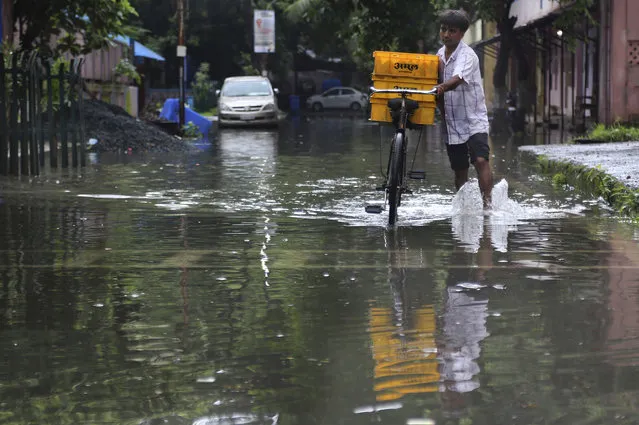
(41, 114)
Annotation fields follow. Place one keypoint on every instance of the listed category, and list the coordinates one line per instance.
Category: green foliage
(95, 22)
(220, 31)
(614, 133)
(125, 68)
(203, 89)
(299, 9)
(354, 29)
(191, 131)
(595, 181)
(209, 112)
(559, 179)
(247, 64)
(55, 86)
(8, 54)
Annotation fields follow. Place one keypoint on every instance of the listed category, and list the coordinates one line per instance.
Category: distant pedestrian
(463, 105)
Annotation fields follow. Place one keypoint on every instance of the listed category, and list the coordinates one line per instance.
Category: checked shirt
(465, 107)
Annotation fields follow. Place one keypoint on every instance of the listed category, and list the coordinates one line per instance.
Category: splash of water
(468, 201)
(469, 216)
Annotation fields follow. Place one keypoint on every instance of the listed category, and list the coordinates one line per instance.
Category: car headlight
(225, 107)
(268, 107)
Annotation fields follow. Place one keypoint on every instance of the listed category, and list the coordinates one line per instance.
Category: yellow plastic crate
(411, 65)
(424, 115)
(401, 83)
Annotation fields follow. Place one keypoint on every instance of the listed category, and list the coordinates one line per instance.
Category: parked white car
(338, 98)
(247, 101)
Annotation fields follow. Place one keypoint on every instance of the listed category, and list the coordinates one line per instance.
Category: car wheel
(317, 107)
(356, 106)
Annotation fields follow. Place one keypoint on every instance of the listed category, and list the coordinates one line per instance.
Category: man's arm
(464, 66)
(449, 85)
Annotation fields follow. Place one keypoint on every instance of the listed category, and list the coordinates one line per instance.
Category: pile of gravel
(116, 130)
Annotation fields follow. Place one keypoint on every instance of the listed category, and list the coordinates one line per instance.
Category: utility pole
(181, 54)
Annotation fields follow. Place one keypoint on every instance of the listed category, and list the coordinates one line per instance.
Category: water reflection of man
(463, 327)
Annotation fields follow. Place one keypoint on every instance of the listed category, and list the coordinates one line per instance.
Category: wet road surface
(245, 284)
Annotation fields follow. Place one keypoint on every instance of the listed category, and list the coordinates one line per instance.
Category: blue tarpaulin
(139, 49)
(171, 112)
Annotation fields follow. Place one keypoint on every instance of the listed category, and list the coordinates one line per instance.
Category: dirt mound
(116, 130)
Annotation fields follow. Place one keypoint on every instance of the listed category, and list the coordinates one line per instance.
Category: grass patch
(593, 181)
(614, 133)
(213, 112)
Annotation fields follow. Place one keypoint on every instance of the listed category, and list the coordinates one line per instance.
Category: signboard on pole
(264, 31)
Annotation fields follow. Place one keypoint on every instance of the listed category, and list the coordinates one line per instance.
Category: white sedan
(338, 98)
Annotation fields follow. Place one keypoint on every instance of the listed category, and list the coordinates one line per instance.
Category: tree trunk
(525, 95)
(500, 112)
(7, 21)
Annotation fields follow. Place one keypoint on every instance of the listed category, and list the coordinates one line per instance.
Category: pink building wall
(620, 60)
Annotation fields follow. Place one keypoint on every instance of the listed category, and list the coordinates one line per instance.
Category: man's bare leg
(461, 177)
(485, 177)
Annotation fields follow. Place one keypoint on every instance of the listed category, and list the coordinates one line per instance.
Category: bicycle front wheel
(395, 170)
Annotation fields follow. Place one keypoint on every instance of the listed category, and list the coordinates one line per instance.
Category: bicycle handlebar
(402, 91)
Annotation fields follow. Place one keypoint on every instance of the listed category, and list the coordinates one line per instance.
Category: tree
(361, 27)
(80, 25)
(203, 89)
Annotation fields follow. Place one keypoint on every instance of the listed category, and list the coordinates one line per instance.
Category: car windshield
(246, 88)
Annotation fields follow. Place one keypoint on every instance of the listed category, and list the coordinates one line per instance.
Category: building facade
(578, 76)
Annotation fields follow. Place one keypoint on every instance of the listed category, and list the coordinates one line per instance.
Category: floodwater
(245, 284)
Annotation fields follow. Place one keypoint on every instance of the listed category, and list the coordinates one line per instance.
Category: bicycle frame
(396, 167)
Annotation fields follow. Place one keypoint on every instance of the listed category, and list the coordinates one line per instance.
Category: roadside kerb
(609, 170)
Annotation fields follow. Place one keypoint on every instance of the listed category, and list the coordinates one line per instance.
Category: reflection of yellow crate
(405, 65)
(424, 115)
(401, 83)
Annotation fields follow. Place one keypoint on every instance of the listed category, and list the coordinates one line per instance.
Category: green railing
(40, 110)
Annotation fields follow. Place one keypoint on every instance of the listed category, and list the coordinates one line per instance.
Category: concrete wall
(528, 11)
(632, 59)
(99, 64)
(619, 80)
(121, 95)
(489, 62)
(475, 32)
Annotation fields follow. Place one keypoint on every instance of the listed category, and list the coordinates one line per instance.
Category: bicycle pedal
(380, 188)
(417, 175)
(374, 209)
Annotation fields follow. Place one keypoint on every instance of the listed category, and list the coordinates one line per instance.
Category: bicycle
(395, 185)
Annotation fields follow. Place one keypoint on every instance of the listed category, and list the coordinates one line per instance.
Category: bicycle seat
(396, 104)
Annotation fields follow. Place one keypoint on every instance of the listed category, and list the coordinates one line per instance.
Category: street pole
(181, 54)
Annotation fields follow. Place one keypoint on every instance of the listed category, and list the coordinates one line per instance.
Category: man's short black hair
(455, 19)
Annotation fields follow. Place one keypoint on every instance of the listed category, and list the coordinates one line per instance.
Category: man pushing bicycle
(463, 105)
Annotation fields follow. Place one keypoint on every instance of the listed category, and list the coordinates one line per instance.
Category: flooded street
(245, 284)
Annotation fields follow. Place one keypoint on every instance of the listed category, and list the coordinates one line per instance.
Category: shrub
(614, 133)
(191, 131)
(203, 88)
